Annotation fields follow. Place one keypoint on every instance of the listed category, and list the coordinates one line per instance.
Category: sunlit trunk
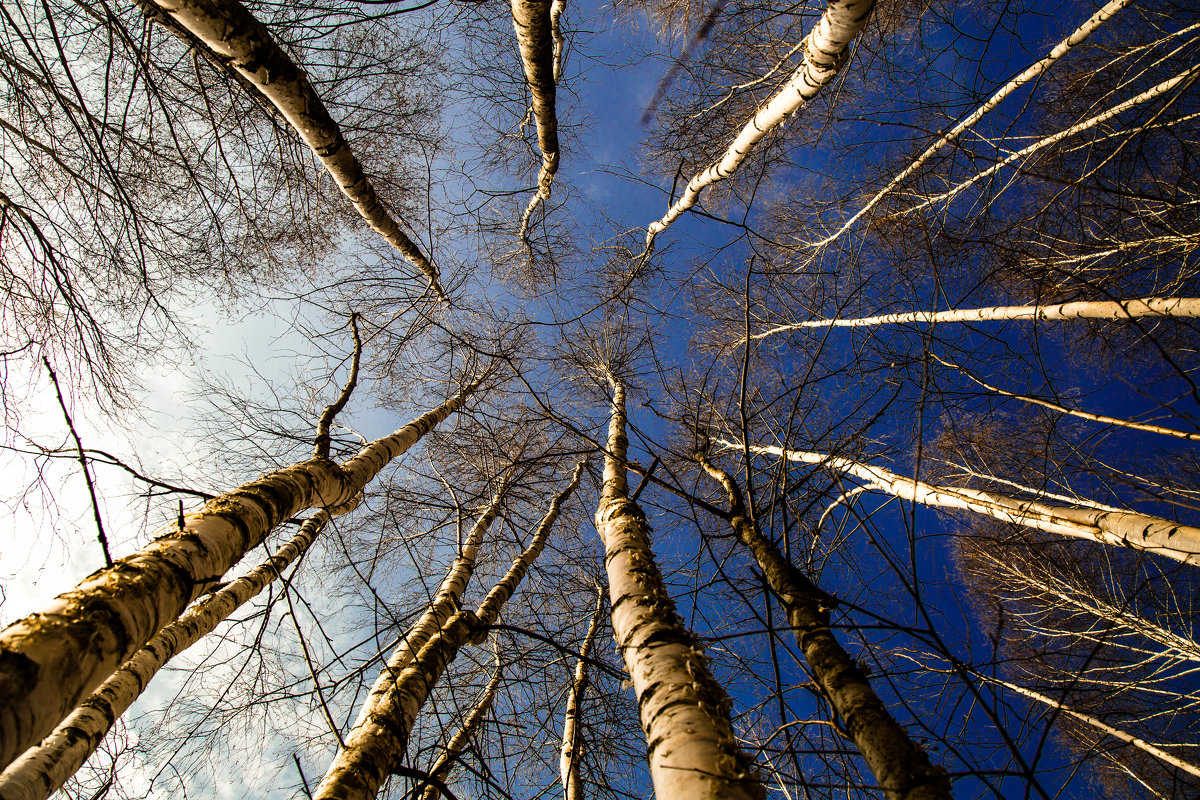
(540, 42)
(51, 660)
(1034, 71)
(827, 48)
(1119, 528)
(43, 769)
(1178, 82)
(684, 712)
(243, 44)
(379, 739)
(1081, 309)
(568, 765)
(454, 748)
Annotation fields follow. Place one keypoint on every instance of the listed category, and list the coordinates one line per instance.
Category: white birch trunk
(1034, 71)
(489, 610)
(572, 746)
(684, 712)
(826, 49)
(1119, 528)
(372, 718)
(43, 769)
(380, 737)
(540, 42)
(1081, 309)
(445, 763)
(245, 46)
(901, 768)
(51, 660)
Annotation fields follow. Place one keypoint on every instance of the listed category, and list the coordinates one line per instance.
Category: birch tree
(51, 661)
(901, 768)
(947, 259)
(1057, 610)
(541, 44)
(825, 50)
(684, 711)
(1113, 527)
(380, 736)
(243, 44)
(572, 738)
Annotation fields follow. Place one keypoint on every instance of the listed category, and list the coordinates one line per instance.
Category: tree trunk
(379, 738)
(43, 769)
(1036, 70)
(1082, 309)
(572, 746)
(49, 661)
(901, 767)
(373, 720)
(1180, 82)
(245, 46)
(684, 712)
(535, 22)
(826, 50)
(1120, 528)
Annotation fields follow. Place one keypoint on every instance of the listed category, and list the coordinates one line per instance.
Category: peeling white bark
(826, 49)
(540, 42)
(244, 45)
(51, 660)
(1035, 70)
(568, 764)
(43, 769)
(1119, 528)
(1054, 312)
(684, 712)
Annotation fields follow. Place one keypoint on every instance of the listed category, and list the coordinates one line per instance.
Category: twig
(87, 474)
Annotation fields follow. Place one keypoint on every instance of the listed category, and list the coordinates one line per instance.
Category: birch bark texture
(684, 712)
(572, 746)
(244, 45)
(380, 738)
(42, 770)
(540, 43)
(826, 49)
(901, 768)
(1054, 312)
(50, 660)
(1118, 528)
